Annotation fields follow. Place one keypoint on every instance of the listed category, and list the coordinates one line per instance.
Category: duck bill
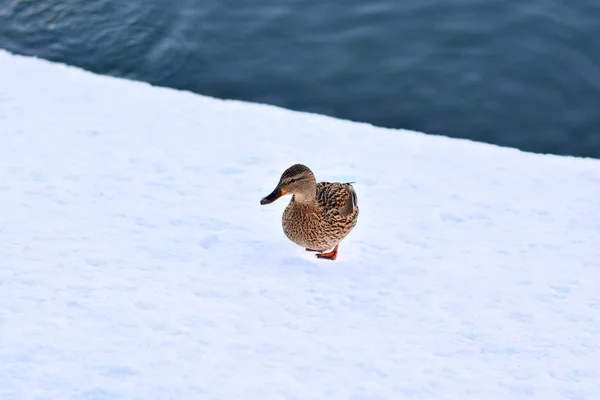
(275, 194)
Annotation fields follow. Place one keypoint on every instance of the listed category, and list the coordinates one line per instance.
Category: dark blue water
(517, 73)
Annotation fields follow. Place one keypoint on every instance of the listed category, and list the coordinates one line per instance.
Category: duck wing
(336, 197)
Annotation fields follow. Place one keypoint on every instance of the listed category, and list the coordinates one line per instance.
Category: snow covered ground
(137, 263)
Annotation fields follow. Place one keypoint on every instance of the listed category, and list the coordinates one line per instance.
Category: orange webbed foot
(332, 255)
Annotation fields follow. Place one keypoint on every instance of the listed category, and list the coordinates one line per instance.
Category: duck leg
(331, 255)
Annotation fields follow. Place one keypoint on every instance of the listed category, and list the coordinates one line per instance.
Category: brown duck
(319, 215)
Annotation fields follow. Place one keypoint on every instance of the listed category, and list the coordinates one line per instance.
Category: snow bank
(137, 263)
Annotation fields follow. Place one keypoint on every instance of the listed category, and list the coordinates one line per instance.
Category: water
(517, 73)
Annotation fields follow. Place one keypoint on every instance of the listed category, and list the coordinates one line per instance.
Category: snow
(137, 263)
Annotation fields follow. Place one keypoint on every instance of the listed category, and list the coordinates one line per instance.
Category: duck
(319, 215)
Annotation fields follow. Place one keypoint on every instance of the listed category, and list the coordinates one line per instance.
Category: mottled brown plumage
(319, 215)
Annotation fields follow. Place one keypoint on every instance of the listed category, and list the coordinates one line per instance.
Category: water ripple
(523, 74)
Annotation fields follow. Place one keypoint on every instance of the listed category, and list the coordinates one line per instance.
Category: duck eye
(293, 180)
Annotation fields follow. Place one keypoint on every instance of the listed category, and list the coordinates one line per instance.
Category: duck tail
(352, 193)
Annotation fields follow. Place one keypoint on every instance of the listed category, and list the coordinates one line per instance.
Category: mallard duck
(319, 215)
